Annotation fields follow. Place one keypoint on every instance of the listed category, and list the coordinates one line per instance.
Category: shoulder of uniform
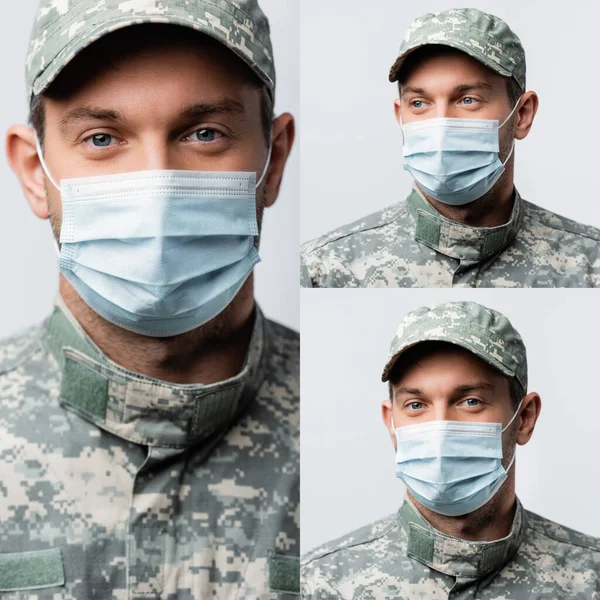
(285, 334)
(284, 345)
(283, 359)
(555, 221)
(17, 349)
(562, 534)
(371, 222)
(359, 537)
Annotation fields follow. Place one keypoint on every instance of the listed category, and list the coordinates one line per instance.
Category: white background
(28, 264)
(348, 468)
(351, 143)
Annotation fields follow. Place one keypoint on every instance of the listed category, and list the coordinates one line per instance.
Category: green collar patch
(462, 242)
(454, 556)
(141, 409)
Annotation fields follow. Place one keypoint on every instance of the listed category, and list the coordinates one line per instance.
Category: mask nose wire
(503, 430)
(53, 182)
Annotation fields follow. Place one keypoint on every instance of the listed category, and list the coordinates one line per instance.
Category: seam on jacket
(24, 356)
(528, 215)
(559, 541)
(402, 212)
(370, 539)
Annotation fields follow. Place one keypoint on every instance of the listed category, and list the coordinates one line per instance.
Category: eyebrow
(188, 112)
(408, 390)
(476, 85)
(227, 106)
(465, 388)
(86, 113)
(464, 87)
(478, 385)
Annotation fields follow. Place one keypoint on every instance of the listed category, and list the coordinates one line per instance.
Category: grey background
(351, 143)
(348, 468)
(28, 264)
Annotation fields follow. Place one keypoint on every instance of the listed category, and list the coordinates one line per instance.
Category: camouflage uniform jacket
(411, 245)
(402, 557)
(117, 486)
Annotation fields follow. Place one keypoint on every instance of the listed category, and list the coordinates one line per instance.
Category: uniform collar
(453, 556)
(459, 241)
(141, 409)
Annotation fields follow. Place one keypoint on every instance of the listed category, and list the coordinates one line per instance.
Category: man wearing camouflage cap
(149, 429)
(462, 105)
(458, 407)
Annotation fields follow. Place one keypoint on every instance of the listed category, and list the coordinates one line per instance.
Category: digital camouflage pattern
(125, 487)
(410, 244)
(483, 331)
(62, 28)
(403, 558)
(485, 37)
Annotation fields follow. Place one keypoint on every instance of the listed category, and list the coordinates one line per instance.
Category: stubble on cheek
(55, 216)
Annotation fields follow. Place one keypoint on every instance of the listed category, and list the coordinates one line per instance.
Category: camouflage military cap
(485, 37)
(63, 28)
(481, 330)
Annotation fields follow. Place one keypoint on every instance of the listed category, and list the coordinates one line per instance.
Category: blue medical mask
(454, 161)
(161, 252)
(452, 467)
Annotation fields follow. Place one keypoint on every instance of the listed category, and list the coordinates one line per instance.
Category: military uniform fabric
(410, 244)
(116, 485)
(402, 557)
(63, 28)
(484, 37)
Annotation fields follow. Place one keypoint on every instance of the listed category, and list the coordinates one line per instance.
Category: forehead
(446, 66)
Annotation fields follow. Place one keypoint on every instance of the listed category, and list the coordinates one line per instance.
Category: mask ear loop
(401, 127)
(505, 428)
(511, 113)
(47, 172)
(504, 123)
(43, 162)
(267, 165)
(514, 416)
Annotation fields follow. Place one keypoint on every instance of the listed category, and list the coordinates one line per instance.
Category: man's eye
(101, 140)
(468, 100)
(417, 103)
(415, 405)
(472, 402)
(206, 135)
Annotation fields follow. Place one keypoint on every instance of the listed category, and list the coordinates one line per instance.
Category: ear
(397, 106)
(284, 132)
(525, 114)
(530, 411)
(386, 414)
(23, 158)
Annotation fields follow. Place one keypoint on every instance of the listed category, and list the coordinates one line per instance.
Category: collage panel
(418, 120)
(149, 353)
(448, 445)
(162, 195)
